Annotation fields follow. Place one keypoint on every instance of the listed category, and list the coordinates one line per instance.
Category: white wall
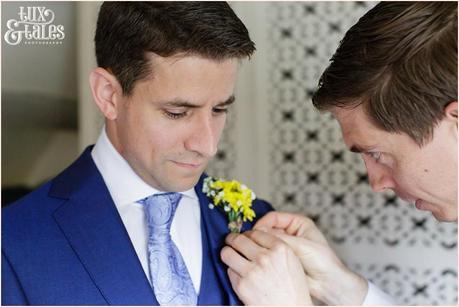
(90, 119)
(39, 101)
(38, 68)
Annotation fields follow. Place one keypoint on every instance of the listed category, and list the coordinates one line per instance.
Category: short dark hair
(126, 31)
(399, 61)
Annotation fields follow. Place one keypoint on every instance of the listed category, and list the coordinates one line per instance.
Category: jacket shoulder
(34, 211)
(32, 203)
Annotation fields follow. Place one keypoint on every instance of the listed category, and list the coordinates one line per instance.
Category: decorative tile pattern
(414, 286)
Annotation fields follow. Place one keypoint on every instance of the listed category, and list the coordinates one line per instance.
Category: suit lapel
(215, 225)
(95, 231)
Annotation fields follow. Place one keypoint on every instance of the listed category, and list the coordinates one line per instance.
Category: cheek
(219, 126)
(166, 139)
(161, 143)
(404, 174)
(414, 179)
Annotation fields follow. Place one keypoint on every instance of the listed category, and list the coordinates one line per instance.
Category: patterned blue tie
(171, 281)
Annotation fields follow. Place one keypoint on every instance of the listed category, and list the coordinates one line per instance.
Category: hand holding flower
(329, 280)
(263, 270)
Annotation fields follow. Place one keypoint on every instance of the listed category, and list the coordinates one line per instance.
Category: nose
(379, 175)
(203, 137)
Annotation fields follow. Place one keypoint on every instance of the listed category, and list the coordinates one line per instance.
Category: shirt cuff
(375, 296)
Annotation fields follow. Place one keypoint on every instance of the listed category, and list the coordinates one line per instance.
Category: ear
(450, 116)
(451, 111)
(106, 91)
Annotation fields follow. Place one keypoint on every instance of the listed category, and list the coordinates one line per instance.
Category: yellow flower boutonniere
(233, 197)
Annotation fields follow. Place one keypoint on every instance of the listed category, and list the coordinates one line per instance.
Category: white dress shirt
(126, 188)
(376, 296)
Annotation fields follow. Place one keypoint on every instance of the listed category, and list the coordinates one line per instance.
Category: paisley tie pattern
(171, 281)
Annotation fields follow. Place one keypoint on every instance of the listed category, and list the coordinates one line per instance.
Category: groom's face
(170, 126)
(423, 175)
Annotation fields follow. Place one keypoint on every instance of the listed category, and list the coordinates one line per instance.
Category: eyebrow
(356, 149)
(186, 104)
(359, 149)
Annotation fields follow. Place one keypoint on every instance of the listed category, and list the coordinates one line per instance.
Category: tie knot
(160, 208)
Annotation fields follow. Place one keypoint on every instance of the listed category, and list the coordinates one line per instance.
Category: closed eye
(220, 110)
(376, 155)
(175, 115)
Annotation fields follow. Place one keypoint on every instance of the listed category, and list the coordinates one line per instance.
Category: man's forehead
(169, 82)
(357, 130)
(348, 119)
(346, 113)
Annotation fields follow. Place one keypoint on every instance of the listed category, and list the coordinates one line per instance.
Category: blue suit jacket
(65, 244)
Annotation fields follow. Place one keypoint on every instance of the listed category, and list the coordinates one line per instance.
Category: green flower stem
(235, 222)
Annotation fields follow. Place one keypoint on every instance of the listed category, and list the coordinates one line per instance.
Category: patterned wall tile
(412, 285)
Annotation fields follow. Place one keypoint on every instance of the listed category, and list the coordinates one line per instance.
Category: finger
(293, 224)
(235, 261)
(234, 279)
(263, 238)
(303, 248)
(273, 231)
(275, 219)
(244, 245)
(290, 222)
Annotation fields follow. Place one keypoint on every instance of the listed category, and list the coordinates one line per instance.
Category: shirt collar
(124, 185)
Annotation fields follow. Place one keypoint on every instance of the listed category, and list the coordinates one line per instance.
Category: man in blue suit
(90, 236)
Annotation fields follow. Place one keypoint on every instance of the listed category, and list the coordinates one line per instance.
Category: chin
(183, 185)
